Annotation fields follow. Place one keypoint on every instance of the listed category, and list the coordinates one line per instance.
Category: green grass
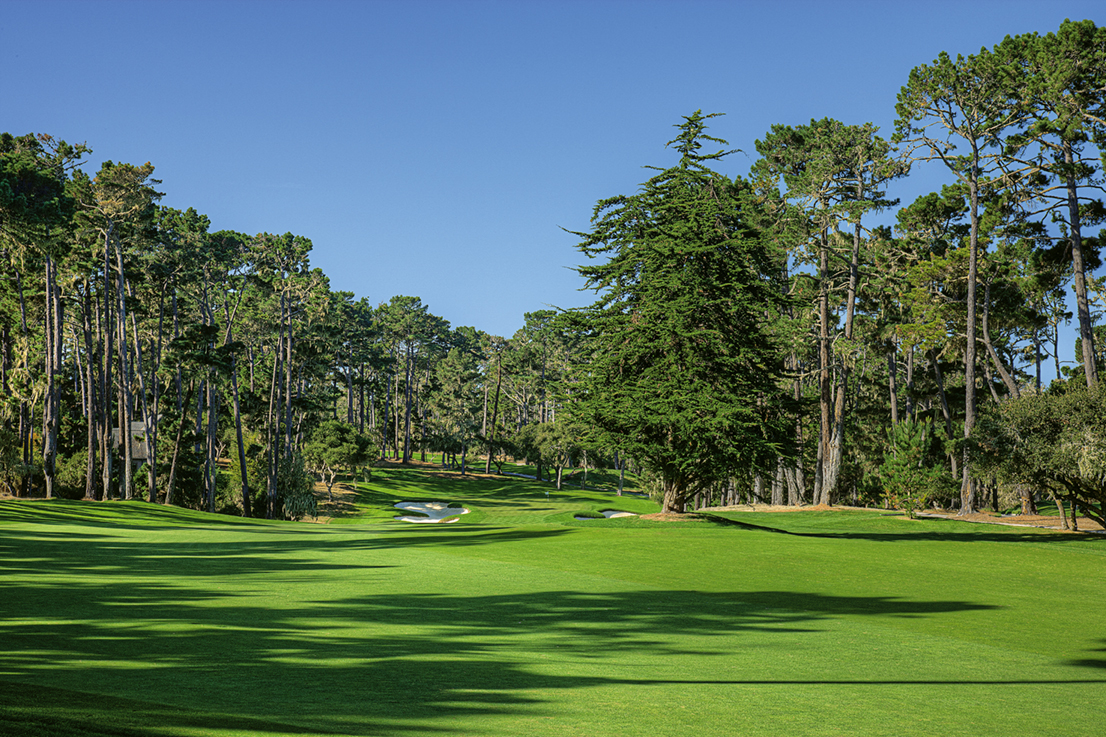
(128, 619)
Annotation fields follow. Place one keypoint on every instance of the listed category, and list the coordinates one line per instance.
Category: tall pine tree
(686, 372)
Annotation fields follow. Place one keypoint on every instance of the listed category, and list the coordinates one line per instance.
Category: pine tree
(686, 374)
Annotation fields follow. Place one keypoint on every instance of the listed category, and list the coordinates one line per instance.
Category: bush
(69, 476)
(296, 489)
(12, 468)
(1054, 441)
(910, 472)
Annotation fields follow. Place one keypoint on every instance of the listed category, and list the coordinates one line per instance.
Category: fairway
(135, 619)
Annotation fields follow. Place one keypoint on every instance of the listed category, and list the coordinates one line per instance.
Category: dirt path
(344, 496)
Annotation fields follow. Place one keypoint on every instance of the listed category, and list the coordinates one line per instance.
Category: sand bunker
(435, 511)
(611, 513)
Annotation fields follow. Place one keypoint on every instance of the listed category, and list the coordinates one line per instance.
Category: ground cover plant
(126, 618)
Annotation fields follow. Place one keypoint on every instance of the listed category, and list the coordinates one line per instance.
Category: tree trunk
(674, 499)
(967, 497)
(407, 407)
(495, 415)
(944, 404)
(51, 415)
(910, 383)
(824, 479)
(246, 510)
(777, 484)
(1007, 379)
(1082, 307)
(92, 407)
(148, 421)
(892, 386)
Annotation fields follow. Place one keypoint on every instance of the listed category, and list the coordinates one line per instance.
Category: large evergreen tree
(686, 374)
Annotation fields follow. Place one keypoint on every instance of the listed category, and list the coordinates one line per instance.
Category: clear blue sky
(438, 149)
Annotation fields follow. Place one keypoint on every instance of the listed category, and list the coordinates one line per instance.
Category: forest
(759, 338)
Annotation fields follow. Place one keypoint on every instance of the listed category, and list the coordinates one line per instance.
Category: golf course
(126, 618)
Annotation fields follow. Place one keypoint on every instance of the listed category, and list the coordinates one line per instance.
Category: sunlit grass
(133, 619)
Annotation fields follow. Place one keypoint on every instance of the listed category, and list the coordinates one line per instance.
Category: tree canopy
(686, 371)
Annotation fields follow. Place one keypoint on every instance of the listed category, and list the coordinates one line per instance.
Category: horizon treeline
(143, 355)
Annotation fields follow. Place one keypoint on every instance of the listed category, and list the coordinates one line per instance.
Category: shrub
(910, 477)
(296, 489)
(70, 474)
(1055, 441)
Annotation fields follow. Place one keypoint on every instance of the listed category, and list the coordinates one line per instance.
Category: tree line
(756, 338)
(904, 357)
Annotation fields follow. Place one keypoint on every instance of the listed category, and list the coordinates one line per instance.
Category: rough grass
(131, 619)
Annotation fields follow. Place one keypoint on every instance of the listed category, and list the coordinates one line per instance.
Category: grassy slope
(126, 619)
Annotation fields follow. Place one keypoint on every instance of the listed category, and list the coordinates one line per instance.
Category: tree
(833, 173)
(966, 102)
(35, 207)
(556, 443)
(909, 473)
(333, 447)
(455, 407)
(1062, 83)
(1055, 441)
(685, 374)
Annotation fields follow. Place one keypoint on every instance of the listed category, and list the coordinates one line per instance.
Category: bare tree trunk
(272, 425)
(1007, 379)
(246, 510)
(148, 420)
(1060, 508)
(126, 400)
(910, 383)
(51, 414)
(495, 415)
(25, 411)
(892, 386)
(777, 484)
(967, 495)
(407, 406)
(1037, 358)
(92, 407)
(1082, 306)
(825, 391)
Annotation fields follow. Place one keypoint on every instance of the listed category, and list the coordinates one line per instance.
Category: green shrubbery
(1054, 441)
(912, 472)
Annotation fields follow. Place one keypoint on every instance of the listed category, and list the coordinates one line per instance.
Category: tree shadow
(254, 629)
(922, 530)
(1096, 662)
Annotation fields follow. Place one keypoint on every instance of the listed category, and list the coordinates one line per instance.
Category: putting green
(128, 619)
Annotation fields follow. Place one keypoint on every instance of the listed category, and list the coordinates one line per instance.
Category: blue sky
(438, 149)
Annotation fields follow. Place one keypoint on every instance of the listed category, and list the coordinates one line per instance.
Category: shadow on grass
(950, 530)
(1095, 662)
(239, 634)
(165, 622)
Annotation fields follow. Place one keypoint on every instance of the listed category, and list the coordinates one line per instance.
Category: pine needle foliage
(685, 375)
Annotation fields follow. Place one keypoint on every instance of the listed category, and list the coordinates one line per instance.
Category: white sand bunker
(611, 513)
(435, 511)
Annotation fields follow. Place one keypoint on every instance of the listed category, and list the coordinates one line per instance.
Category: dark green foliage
(1055, 441)
(295, 489)
(911, 471)
(256, 466)
(335, 446)
(12, 468)
(685, 374)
